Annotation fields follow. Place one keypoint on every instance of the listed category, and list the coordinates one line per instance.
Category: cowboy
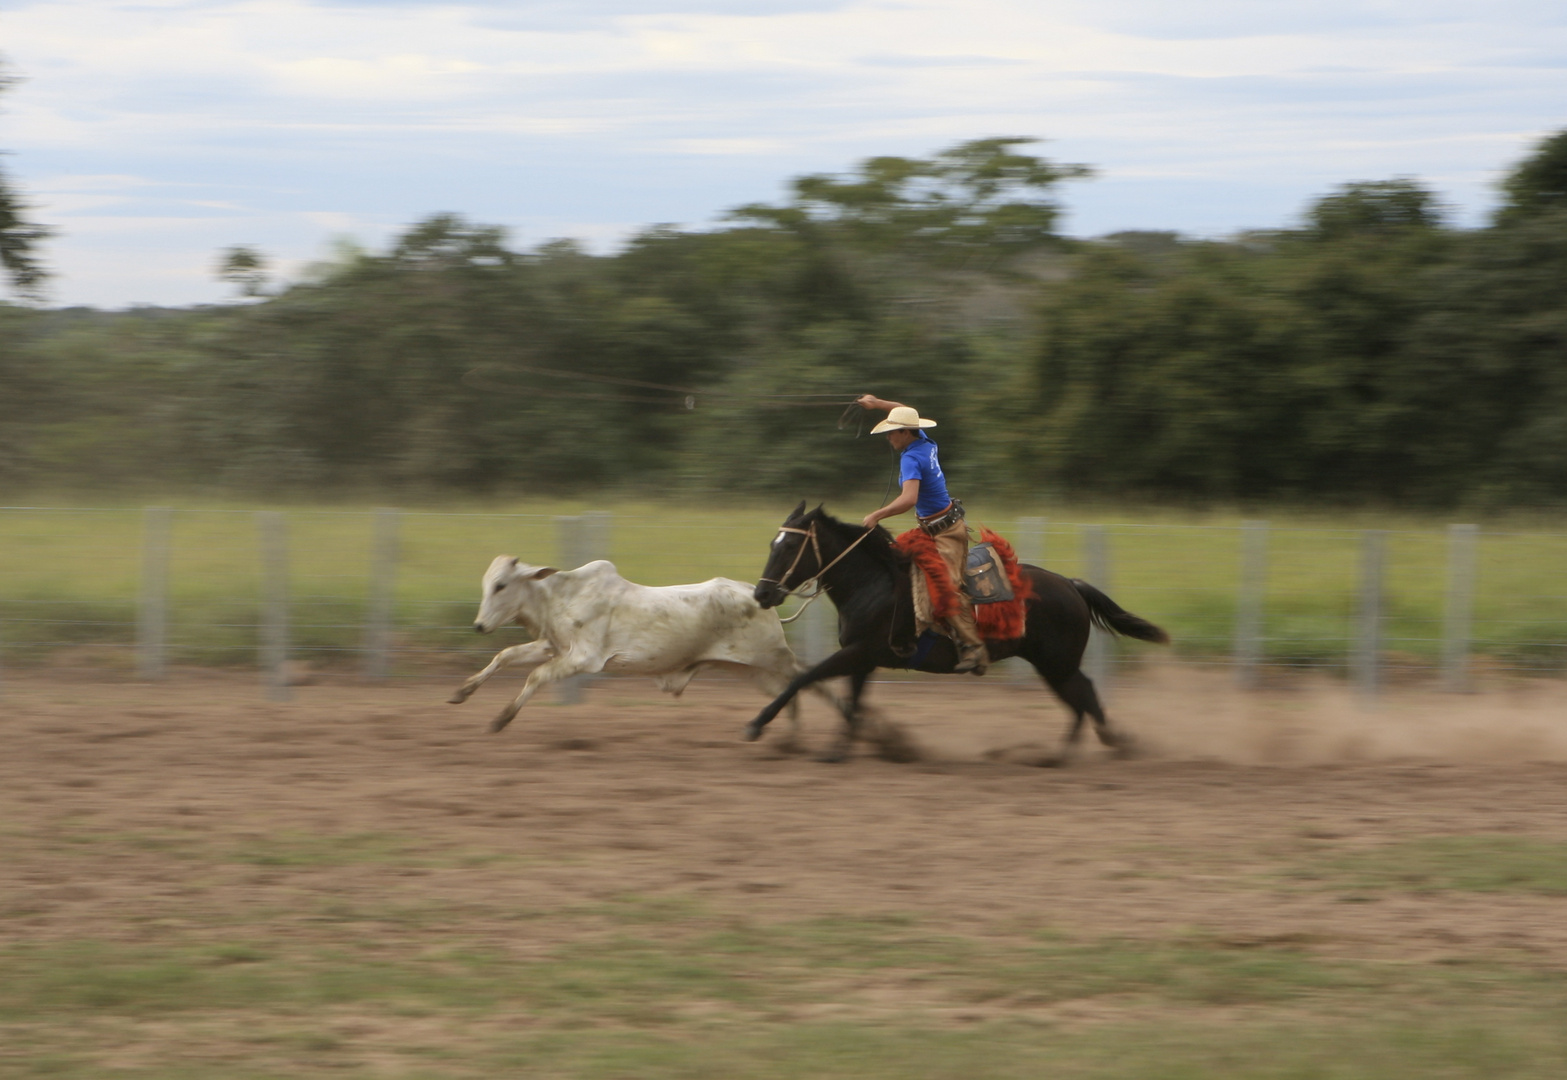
(924, 490)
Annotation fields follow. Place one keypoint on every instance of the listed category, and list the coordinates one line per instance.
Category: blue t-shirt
(918, 462)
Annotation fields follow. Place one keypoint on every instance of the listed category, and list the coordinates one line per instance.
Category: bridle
(816, 546)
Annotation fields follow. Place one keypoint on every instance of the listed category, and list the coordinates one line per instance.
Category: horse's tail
(1108, 615)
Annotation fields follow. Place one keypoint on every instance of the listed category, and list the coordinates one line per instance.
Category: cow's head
(509, 585)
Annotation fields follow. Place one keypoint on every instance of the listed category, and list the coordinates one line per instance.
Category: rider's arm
(871, 401)
(901, 505)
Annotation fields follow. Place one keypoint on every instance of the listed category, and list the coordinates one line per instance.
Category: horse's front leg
(562, 667)
(534, 652)
(851, 718)
(845, 661)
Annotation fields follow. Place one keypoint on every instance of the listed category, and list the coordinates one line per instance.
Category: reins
(816, 577)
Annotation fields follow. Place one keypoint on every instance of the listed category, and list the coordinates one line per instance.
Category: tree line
(1372, 352)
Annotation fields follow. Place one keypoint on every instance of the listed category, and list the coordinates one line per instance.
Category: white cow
(591, 619)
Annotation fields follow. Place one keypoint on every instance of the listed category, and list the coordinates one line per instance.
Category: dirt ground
(632, 793)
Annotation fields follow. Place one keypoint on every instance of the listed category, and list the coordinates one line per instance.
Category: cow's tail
(1108, 615)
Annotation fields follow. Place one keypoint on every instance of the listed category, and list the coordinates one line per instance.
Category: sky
(153, 134)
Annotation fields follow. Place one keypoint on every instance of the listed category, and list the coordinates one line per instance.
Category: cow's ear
(543, 572)
(514, 562)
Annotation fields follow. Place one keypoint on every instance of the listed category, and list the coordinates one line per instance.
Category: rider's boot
(975, 658)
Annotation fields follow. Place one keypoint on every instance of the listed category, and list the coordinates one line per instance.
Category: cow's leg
(534, 652)
(845, 661)
(675, 682)
(561, 667)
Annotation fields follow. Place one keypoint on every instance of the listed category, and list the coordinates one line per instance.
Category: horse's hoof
(753, 730)
(457, 699)
(1054, 761)
(893, 744)
(499, 723)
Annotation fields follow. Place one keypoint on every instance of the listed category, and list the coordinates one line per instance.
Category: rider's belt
(944, 520)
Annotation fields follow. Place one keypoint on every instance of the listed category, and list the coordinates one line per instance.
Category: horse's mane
(879, 545)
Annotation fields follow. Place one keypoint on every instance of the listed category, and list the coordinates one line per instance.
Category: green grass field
(72, 577)
(646, 989)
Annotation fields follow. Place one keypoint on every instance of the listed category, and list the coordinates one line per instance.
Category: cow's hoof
(499, 723)
(836, 756)
(753, 730)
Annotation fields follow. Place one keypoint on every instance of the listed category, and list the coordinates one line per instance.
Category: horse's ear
(543, 572)
(514, 562)
(798, 510)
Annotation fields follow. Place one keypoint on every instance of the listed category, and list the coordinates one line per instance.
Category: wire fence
(390, 594)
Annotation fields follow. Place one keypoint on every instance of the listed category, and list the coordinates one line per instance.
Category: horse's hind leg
(1077, 691)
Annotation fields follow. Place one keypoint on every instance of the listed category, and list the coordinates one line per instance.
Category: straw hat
(901, 417)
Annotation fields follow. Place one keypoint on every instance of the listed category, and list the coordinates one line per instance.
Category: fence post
(1029, 545)
(1030, 541)
(273, 531)
(383, 594)
(152, 605)
(569, 544)
(816, 641)
(580, 538)
(1249, 603)
(1368, 637)
(597, 527)
(1459, 610)
(1096, 567)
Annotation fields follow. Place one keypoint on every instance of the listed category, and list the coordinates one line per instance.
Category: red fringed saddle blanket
(1000, 621)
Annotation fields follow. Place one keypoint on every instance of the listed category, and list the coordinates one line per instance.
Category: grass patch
(297, 850)
(751, 970)
(1450, 864)
(694, 997)
(70, 578)
(1154, 1049)
(306, 849)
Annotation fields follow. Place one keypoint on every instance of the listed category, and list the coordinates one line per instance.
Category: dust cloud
(1176, 713)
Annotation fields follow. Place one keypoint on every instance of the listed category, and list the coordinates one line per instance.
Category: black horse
(867, 577)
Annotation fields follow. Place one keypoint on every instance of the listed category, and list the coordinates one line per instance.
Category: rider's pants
(952, 543)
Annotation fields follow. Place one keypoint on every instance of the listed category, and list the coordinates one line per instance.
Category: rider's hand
(870, 520)
(867, 401)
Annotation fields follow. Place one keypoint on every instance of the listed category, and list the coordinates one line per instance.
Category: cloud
(282, 119)
(724, 147)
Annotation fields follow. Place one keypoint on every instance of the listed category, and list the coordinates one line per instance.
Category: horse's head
(794, 556)
(507, 591)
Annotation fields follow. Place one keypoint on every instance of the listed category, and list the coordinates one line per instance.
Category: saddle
(984, 579)
(995, 585)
